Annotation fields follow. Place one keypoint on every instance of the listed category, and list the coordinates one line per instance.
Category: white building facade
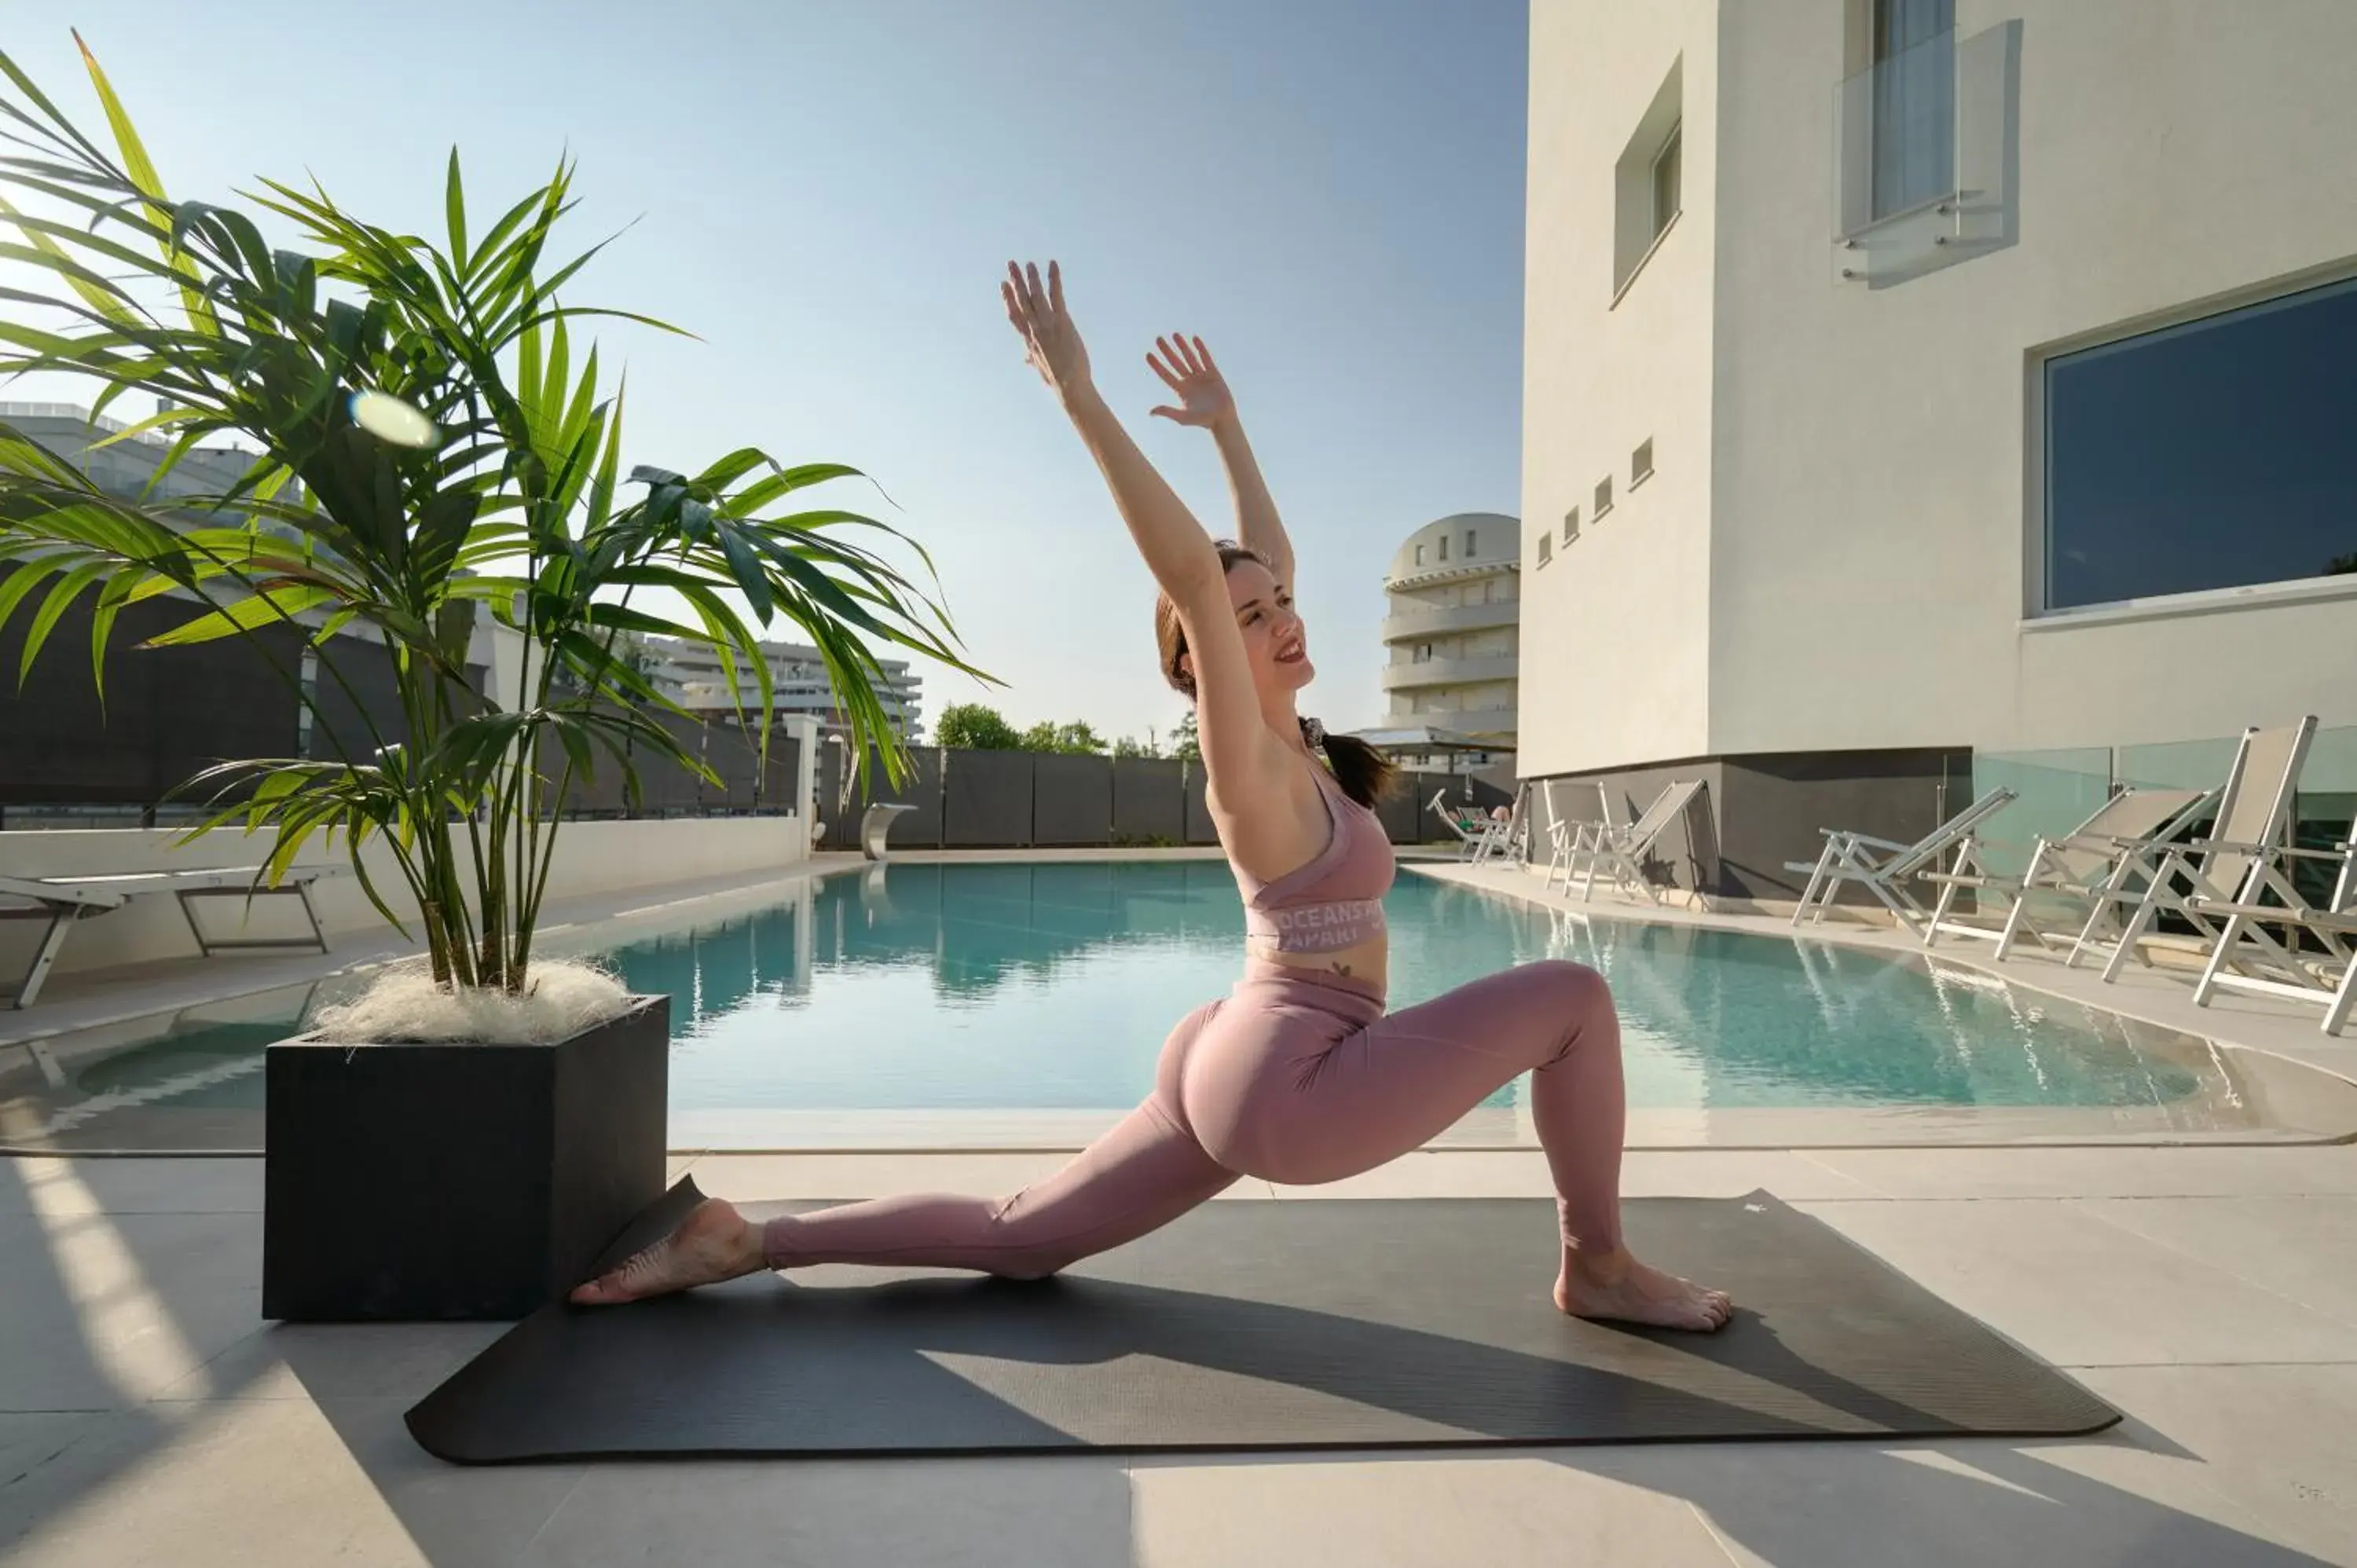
(692, 676)
(1452, 636)
(1911, 381)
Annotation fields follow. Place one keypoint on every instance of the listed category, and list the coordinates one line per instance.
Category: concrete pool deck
(148, 1414)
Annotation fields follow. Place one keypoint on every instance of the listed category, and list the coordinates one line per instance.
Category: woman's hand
(1052, 344)
(1187, 369)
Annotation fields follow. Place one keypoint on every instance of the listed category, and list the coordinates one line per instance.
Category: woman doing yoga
(1299, 1076)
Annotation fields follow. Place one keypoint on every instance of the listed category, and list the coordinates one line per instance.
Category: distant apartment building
(1910, 383)
(126, 467)
(1452, 643)
(692, 676)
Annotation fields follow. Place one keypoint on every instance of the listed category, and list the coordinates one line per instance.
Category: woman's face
(1275, 639)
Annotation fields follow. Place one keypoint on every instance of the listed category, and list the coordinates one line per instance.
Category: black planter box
(406, 1182)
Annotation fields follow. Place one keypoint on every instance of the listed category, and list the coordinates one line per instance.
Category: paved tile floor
(146, 1415)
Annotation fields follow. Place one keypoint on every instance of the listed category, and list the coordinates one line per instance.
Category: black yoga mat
(1257, 1325)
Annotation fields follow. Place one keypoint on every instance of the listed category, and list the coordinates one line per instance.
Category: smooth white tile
(2098, 1172)
(31, 1184)
(28, 1441)
(2304, 1248)
(266, 1483)
(2275, 1441)
(2082, 1292)
(321, 1361)
(1500, 1509)
(1045, 1512)
(1967, 1505)
(104, 1310)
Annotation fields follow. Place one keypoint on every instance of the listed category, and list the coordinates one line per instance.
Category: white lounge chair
(2245, 957)
(1619, 853)
(1509, 838)
(1884, 868)
(1471, 827)
(63, 901)
(2253, 808)
(1572, 839)
(2075, 867)
(1503, 841)
(1569, 836)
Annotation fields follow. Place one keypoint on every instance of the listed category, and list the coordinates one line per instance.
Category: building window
(1640, 463)
(1547, 549)
(1914, 103)
(1444, 547)
(1468, 544)
(1423, 653)
(1647, 180)
(1570, 527)
(1665, 184)
(2215, 454)
(1603, 497)
(1419, 554)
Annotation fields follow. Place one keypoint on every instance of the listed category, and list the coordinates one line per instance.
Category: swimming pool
(1016, 1002)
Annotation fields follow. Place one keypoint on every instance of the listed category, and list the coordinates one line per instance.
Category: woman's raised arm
(1187, 368)
(1240, 751)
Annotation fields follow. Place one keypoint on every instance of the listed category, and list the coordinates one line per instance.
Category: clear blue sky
(1329, 192)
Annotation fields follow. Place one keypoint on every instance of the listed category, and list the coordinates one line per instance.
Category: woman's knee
(1578, 1002)
(1018, 1247)
(1568, 986)
(1037, 1264)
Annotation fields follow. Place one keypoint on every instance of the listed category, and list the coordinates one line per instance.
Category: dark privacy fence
(747, 782)
(170, 713)
(1023, 799)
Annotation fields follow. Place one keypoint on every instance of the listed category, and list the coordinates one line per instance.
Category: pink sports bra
(1335, 901)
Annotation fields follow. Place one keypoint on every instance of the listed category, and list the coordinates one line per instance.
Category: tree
(1183, 743)
(971, 726)
(1076, 739)
(1079, 739)
(1128, 746)
(432, 456)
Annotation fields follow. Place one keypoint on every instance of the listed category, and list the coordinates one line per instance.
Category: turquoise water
(1053, 984)
(1044, 986)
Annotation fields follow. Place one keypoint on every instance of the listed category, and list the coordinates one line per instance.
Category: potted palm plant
(439, 478)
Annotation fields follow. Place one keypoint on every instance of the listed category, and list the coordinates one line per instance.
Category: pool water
(1048, 987)
(1053, 984)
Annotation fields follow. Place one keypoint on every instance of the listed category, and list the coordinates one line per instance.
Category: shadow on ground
(146, 1414)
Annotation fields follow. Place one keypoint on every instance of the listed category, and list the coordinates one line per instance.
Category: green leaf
(25, 85)
(164, 419)
(107, 301)
(14, 585)
(141, 170)
(752, 581)
(453, 206)
(53, 608)
(247, 615)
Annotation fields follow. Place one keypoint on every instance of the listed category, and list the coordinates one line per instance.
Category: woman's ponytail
(1365, 774)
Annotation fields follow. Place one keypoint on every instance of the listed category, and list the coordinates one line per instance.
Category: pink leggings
(1293, 1080)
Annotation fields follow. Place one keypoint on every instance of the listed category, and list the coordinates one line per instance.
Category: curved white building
(1452, 633)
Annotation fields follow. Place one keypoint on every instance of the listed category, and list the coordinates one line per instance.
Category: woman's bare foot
(1616, 1285)
(712, 1243)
